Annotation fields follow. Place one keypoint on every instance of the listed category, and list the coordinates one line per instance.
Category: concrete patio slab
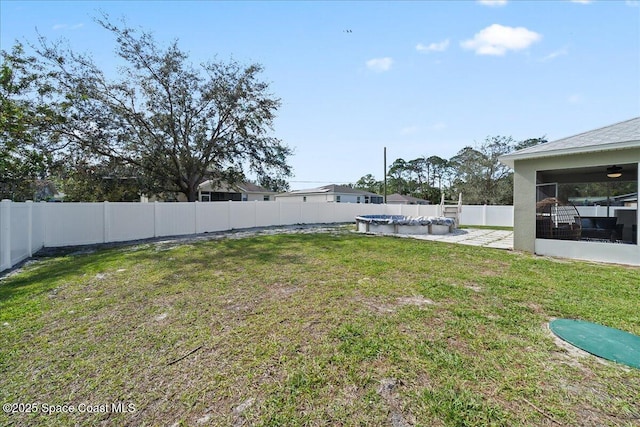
(498, 239)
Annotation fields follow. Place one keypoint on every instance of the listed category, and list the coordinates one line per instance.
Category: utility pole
(385, 175)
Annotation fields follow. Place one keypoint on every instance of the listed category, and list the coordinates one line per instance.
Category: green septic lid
(602, 341)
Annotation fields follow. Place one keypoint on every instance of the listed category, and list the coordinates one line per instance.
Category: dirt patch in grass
(388, 392)
(282, 291)
(387, 307)
(473, 287)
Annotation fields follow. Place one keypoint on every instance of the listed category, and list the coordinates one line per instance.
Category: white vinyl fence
(25, 228)
(600, 210)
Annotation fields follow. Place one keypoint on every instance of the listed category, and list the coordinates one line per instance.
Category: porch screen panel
(544, 191)
(545, 221)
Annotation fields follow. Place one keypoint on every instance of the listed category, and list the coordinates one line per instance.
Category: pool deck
(498, 239)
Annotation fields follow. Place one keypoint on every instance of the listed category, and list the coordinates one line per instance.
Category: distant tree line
(473, 171)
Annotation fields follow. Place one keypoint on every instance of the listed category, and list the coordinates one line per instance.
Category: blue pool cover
(404, 220)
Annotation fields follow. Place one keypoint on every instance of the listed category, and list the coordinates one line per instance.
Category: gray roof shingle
(405, 198)
(615, 136)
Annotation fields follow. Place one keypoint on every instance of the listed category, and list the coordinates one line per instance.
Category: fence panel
(291, 212)
(20, 239)
(499, 216)
(309, 213)
(212, 217)
(347, 212)
(487, 215)
(20, 232)
(472, 215)
(5, 234)
(175, 219)
(410, 210)
(242, 215)
(429, 210)
(69, 224)
(599, 210)
(327, 212)
(392, 210)
(588, 210)
(267, 213)
(130, 221)
(37, 226)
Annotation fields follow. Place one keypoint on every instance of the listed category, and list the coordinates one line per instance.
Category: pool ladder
(451, 209)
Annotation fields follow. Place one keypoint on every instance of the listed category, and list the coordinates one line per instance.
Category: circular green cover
(608, 343)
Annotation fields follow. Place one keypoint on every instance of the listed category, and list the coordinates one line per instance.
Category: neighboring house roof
(242, 187)
(613, 137)
(401, 198)
(330, 189)
(249, 187)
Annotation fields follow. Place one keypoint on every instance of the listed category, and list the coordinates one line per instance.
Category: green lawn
(313, 329)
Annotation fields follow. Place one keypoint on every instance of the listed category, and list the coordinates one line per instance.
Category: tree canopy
(25, 121)
(480, 176)
(166, 122)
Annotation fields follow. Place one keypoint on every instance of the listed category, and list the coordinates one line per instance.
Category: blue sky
(421, 78)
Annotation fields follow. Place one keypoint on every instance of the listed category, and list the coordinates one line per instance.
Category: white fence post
(5, 234)
(195, 217)
(106, 235)
(29, 227)
(484, 214)
(43, 220)
(156, 215)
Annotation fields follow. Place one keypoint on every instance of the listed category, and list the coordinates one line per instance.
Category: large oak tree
(176, 123)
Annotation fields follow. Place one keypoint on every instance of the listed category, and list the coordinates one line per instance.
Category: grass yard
(312, 329)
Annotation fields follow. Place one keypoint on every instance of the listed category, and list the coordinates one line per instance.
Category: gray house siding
(524, 205)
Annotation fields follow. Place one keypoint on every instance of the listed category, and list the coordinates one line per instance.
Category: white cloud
(493, 3)
(555, 54)
(632, 3)
(498, 39)
(438, 126)
(433, 47)
(581, 1)
(380, 65)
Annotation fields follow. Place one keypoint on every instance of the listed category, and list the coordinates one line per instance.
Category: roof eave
(510, 159)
